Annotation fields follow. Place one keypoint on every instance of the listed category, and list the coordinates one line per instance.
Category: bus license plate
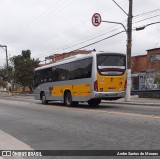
(111, 89)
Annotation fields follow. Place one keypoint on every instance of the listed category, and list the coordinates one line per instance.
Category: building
(146, 70)
(153, 64)
(139, 69)
(57, 57)
(139, 63)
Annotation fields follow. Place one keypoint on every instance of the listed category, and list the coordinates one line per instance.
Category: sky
(47, 27)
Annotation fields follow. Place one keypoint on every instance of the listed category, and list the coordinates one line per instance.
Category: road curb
(133, 103)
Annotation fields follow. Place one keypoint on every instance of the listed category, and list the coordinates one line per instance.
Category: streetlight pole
(143, 27)
(4, 46)
(116, 23)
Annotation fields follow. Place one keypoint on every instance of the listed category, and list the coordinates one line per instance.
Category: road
(57, 127)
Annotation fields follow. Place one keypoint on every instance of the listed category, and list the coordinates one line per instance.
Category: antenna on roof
(156, 45)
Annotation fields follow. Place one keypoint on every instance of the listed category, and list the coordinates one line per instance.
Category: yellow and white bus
(82, 78)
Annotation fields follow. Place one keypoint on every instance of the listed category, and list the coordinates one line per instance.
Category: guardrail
(137, 92)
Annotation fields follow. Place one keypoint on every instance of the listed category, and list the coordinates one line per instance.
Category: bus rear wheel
(68, 99)
(43, 99)
(94, 102)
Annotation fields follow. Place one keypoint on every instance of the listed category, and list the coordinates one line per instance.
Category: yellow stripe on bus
(76, 90)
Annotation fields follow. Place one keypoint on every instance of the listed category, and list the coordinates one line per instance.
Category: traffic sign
(96, 19)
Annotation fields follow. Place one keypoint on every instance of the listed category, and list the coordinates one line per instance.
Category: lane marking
(136, 115)
(103, 111)
(122, 113)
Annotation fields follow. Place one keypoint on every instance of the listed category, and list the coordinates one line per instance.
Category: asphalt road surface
(57, 127)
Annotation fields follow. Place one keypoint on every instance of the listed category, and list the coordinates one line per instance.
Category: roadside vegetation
(21, 71)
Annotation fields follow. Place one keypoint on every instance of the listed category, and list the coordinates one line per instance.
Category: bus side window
(66, 71)
(77, 69)
(40, 77)
(63, 72)
(37, 79)
(88, 68)
(46, 75)
(52, 74)
(49, 75)
(55, 74)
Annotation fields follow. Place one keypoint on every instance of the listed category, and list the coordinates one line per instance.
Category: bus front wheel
(43, 99)
(68, 98)
(94, 102)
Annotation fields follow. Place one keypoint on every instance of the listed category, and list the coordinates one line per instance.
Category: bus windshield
(110, 65)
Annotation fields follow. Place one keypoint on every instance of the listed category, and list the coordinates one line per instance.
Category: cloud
(50, 25)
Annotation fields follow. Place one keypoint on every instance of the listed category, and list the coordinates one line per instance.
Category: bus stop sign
(96, 19)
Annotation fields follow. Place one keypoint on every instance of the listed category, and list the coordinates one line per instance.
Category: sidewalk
(15, 94)
(137, 101)
(134, 99)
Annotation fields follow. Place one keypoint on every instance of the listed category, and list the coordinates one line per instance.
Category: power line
(139, 15)
(112, 35)
(81, 42)
(97, 41)
(39, 17)
(93, 38)
(71, 46)
(147, 18)
(98, 36)
(145, 13)
(77, 25)
(31, 27)
(93, 43)
(100, 40)
(120, 7)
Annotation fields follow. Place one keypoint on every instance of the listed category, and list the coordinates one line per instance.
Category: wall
(153, 57)
(147, 66)
(139, 63)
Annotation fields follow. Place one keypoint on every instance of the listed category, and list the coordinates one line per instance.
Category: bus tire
(94, 102)
(68, 99)
(43, 99)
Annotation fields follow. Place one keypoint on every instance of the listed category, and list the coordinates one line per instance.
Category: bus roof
(76, 57)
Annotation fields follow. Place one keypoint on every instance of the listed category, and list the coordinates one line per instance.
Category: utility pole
(7, 63)
(4, 46)
(129, 46)
(96, 20)
(129, 49)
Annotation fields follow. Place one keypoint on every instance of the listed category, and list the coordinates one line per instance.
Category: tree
(24, 67)
(3, 75)
(3, 83)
